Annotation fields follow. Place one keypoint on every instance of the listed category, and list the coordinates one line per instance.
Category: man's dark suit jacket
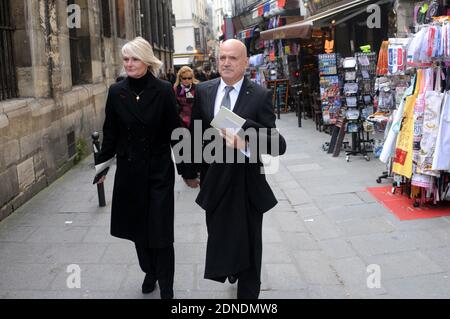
(229, 190)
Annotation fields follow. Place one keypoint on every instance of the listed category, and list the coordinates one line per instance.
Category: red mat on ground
(403, 207)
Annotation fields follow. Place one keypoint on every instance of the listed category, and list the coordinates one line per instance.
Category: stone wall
(34, 128)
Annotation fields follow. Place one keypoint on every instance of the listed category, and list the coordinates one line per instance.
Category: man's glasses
(186, 78)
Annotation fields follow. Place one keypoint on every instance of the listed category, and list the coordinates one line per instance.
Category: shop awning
(344, 17)
(303, 29)
(183, 60)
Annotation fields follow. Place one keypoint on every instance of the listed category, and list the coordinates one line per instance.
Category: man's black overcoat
(229, 191)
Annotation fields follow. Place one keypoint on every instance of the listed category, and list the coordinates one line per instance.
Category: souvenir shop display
(382, 64)
(397, 56)
(366, 81)
(357, 90)
(329, 87)
(416, 145)
(354, 90)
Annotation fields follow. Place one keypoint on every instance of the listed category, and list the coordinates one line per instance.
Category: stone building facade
(55, 70)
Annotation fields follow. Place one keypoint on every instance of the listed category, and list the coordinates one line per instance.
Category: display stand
(280, 94)
(329, 87)
(337, 137)
(353, 105)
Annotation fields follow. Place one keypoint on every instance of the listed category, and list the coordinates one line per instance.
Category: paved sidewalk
(318, 241)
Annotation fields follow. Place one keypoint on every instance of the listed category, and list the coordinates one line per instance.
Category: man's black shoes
(149, 284)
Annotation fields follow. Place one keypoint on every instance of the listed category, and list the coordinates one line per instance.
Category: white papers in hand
(225, 118)
(102, 166)
(101, 170)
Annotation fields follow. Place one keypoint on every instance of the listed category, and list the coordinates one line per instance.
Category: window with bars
(74, 53)
(146, 20)
(160, 18)
(120, 13)
(154, 21)
(106, 18)
(8, 80)
(80, 50)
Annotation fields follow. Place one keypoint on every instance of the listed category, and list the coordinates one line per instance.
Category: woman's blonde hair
(141, 49)
(185, 69)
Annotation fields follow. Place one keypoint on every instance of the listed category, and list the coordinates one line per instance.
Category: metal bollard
(100, 187)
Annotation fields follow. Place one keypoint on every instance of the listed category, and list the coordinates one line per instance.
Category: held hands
(192, 183)
(232, 140)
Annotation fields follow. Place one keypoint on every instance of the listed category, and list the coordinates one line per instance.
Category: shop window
(120, 12)
(8, 81)
(106, 18)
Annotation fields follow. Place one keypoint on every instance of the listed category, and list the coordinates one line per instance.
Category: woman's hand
(102, 179)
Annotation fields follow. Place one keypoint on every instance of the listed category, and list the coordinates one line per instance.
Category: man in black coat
(235, 195)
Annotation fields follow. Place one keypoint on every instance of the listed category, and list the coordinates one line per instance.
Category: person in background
(200, 75)
(214, 74)
(184, 89)
(171, 77)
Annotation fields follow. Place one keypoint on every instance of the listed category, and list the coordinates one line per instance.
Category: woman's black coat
(139, 134)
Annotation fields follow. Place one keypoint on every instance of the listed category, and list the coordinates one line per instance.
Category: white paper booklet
(225, 118)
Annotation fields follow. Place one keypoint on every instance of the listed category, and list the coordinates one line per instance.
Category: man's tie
(226, 101)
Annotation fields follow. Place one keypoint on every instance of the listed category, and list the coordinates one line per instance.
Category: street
(326, 238)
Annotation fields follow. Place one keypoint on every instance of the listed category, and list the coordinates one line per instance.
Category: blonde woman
(184, 89)
(140, 116)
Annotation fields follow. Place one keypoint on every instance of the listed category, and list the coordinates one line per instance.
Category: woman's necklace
(137, 95)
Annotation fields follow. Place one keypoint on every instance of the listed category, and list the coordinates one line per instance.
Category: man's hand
(232, 140)
(192, 183)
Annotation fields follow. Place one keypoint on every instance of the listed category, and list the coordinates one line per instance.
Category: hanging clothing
(389, 144)
(419, 179)
(402, 164)
(441, 160)
(433, 102)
